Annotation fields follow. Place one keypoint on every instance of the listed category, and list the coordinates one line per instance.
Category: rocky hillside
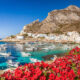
(57, 21)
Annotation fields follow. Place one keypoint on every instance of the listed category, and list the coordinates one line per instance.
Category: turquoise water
(16, 54)
(37, 55)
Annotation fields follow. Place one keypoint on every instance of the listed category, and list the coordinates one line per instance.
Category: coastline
(47, 60)
(48, 57)
(37, 40)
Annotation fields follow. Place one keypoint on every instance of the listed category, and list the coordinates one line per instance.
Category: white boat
(29, 49)
(3, 47)
(34, 60)
(12, 64)
(52, 47)
(5, 54)
(45, 48)
(48, 47)
(19, 47)
(24, 54)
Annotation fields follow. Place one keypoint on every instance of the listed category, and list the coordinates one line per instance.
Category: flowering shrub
(63, 68)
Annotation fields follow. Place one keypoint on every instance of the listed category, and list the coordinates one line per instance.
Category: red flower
(63, 68)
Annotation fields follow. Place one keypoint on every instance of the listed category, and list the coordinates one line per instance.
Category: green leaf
(2, 78)
(58, 74)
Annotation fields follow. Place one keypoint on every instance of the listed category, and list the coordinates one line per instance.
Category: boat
(12, 64)
(3, 47)
(52, 47)
(48, 47)
(19, 47)
(5, 54)
(34, 60)
(24, 54)
(45, 48)
(30, 49)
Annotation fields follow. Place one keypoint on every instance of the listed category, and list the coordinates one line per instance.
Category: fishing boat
(3, 47)
(29, 49)
(24, 54)
(19, 46)
(5, 54)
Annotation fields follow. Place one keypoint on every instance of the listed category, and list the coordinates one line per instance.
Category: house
(77, 40)
(19, 37)
(73, 34)
(29, 34)
(42, 35)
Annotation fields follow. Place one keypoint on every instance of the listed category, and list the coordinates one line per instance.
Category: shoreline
(48, 57)
(47, 60)
(36, 40)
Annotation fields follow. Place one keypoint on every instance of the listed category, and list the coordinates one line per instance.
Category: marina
(17, 54)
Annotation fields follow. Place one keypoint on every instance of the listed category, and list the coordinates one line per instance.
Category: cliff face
(57, 21)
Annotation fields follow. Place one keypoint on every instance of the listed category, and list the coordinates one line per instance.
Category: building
(19, 37)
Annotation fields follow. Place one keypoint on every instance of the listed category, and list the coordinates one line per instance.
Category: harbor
(14, 54)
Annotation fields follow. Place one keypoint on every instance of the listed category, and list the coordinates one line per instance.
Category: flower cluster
(63, 68)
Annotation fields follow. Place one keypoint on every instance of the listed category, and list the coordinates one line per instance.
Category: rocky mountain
(57, 21)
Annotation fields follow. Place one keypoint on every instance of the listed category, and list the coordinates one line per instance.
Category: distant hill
(57, 21)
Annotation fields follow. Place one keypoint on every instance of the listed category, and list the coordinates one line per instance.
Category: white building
(22, 32)
(73, 34)
(41, 35)
(37, 35)
(29, 34)
(77, 40)
(20, 37)
(50, 37)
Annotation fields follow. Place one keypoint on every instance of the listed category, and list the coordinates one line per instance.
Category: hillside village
(59, 26)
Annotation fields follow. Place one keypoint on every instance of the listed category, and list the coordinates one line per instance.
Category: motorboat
(52, 47)
(12, 64)
(19, 47)
(32, 49)
(45, 48)
(3, 47)
(5, 54)
(29, 49)
(34, 60)
(48, 47)
(24, 54)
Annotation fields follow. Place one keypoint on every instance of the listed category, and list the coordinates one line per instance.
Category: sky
(14, 14)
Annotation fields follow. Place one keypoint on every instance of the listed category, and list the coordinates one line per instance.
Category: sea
(35, 50)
